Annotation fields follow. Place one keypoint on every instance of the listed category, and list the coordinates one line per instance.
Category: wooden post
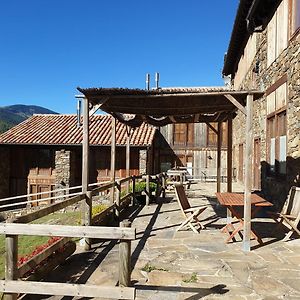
(163, 185)
(229, 163)
(118, 197)
(113, 158)
(85, 147)
(219, 145)
(147, 189)
(87, 203)
(133, 189)
(248, 174)
(11, 268)
(125, 259)
(127, 157)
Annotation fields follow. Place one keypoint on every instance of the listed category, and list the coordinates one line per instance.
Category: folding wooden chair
(290, 213)
(190, 214)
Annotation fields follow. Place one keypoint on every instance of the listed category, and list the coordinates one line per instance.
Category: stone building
(43, 153)
(264, 53)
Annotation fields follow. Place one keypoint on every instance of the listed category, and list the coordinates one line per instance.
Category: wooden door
(256, 165)
(241, 163)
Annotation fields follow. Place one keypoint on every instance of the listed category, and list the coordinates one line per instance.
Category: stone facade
(143, 162)
(4, 172)
(63, 169)
(287, 63)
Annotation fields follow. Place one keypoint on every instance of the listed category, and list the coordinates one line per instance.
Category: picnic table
(233, 201)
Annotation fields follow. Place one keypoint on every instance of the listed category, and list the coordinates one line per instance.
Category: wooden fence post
(133, 189)
(11, 268)
(118, 197)
(125, 259)
(88, 217)
(147, 189)
(163, 185)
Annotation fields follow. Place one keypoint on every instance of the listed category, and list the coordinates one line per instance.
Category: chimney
(147, 81)
(157, 80)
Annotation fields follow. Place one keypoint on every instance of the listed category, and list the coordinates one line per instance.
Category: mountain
(15, 114)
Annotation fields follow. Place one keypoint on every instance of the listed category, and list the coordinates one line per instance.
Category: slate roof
(63, 130)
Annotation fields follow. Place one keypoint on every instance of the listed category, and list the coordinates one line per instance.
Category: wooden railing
(18, 226)
(13, 286)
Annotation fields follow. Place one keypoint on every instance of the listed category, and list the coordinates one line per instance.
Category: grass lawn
(28, 243)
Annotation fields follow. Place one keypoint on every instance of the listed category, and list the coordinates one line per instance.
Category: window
(277, 144)
(212, 138)
(277, 32)
(276, 127)
(294, 16)
(183, 134)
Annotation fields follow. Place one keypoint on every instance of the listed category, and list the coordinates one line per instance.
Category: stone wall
(4, 172)
(63, 169)
(288, 63)
(143, 162)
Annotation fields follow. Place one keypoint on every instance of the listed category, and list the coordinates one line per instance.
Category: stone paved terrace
(184, 265)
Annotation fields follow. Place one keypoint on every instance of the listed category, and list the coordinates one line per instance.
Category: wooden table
(234, 200)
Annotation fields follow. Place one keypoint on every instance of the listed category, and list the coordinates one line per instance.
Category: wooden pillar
(87, 203)
(164, 185)
(147, 189)
(113, 158)
(229, 163)
(248, 174)
(127, 157)
(219, 145)
(133, 189)
(85, 147)
(229, 155)
(11, 268)
(125, 259)
(118, 198)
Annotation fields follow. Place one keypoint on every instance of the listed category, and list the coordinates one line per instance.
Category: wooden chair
(190, 214)
(290, 213)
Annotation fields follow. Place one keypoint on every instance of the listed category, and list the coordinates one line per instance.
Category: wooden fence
(11, 286)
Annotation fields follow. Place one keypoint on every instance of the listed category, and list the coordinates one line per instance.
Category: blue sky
(48, 48)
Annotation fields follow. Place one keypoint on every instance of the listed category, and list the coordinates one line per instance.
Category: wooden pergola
(160, 107)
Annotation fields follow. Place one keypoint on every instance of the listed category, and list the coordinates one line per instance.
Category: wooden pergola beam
(236, 103)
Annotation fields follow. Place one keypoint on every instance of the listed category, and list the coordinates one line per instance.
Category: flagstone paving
(184, 265)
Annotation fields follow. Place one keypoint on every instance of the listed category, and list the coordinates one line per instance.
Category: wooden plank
(11, 269)
(125, 258)
(99, 217)
(219, 145)
(101, 232)
(126, 179)
(34, 261)
(103, 188)
(248, 174)
(236, 103)
(47, 210)
(66, 289)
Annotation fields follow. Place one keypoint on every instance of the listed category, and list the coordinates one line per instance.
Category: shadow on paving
(79, 267)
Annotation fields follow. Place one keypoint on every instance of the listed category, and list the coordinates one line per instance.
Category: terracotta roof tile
(63, 130)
